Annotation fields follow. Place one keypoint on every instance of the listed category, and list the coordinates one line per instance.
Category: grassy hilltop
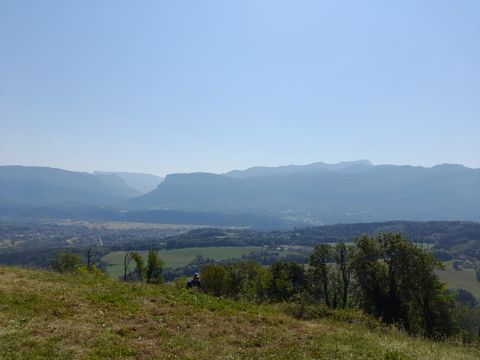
(82, 316)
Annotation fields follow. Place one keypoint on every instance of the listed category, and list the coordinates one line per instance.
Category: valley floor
(44, 315)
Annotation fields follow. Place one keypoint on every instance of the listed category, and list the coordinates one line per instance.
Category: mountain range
(321, 193)
(49, 186)
(354, 191)
(315, 168)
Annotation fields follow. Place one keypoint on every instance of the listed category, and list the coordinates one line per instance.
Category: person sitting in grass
(195, 282)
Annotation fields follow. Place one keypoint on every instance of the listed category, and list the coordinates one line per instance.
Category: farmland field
(460, 279)
(124, 225)
(180, 257)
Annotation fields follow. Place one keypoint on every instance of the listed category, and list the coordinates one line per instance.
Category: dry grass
(44, 315)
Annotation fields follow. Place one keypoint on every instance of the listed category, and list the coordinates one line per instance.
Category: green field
(460, 279)
(180, 257)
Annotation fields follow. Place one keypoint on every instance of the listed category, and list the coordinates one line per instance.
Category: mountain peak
(316, 167)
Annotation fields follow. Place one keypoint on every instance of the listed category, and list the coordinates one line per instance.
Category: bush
(180, 282)
(215, 279)
(243, 279)
(93, 270)
(66, 262)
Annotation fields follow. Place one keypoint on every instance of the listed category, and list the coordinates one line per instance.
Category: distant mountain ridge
(36, 185)
(318, 193)
(351, 192)
(317, 167)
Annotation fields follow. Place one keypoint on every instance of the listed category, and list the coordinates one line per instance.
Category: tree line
(150, 271)
(385, 276)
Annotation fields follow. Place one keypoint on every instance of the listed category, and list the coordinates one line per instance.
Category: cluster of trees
(67, 262)
(386, 276)
(262, 257)
(150, 272)
(397, 283)
(271, 257)
(243, 279)
(71, 262)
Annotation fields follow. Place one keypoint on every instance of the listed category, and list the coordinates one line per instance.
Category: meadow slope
(44, 315)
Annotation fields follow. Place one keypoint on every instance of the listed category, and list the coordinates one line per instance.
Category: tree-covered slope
(45, 315)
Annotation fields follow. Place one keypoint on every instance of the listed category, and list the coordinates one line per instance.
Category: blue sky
(180, 86)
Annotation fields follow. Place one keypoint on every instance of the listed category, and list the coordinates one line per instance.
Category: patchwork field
(124, 225)
(460, 279)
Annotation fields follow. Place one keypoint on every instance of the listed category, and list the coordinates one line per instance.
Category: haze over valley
(255, 179)
(318, 193)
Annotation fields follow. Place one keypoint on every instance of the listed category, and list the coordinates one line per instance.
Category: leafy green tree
(248, 279)
(66, 262)
(257, 283)
(397, 283)
(320, 274)
(288, 279)
(215, 279)
(343, 266)
(370, 274)
(127, 259)
(140, 268)
(242, 279)
(153, 270)
(335, 286)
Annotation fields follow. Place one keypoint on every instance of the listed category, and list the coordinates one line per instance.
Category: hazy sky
(176, 86)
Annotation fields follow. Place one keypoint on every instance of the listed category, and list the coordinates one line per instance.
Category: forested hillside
(359, 193)
(440, 234)
(32, 186)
